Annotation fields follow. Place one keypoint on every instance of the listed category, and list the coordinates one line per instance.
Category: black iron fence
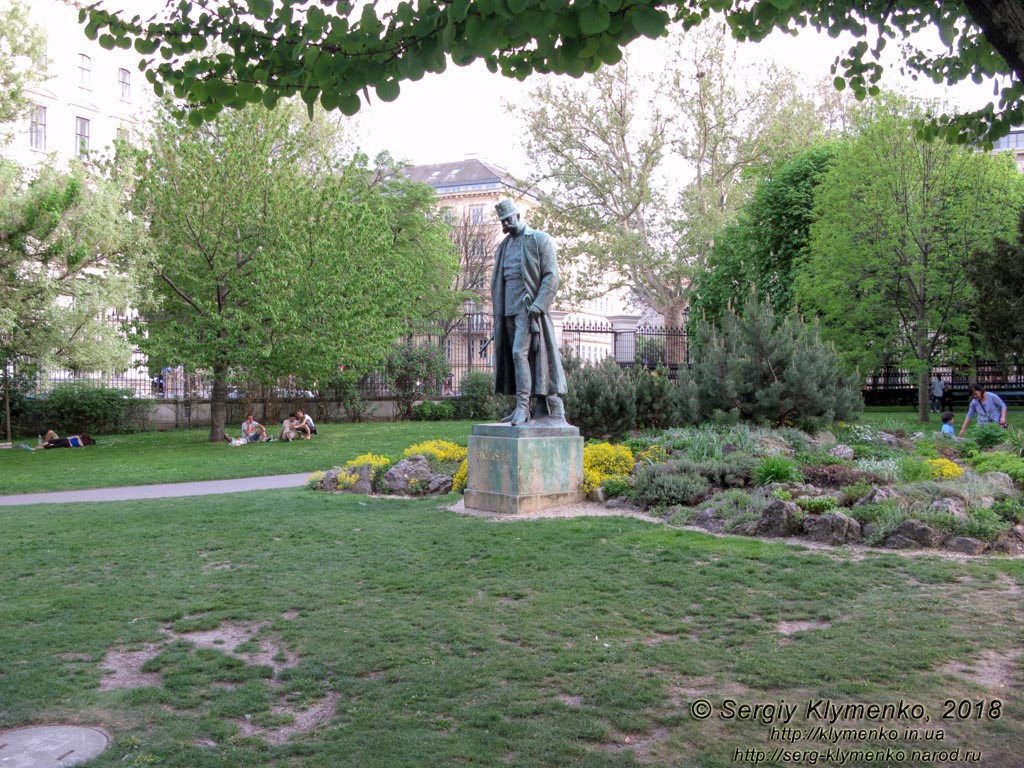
(465, 344)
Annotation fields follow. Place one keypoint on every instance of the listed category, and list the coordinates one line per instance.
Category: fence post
(558, 321)
(624, 339)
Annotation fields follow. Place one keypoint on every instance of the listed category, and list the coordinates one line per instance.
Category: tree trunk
(923, 395)
(218, 403)
(675, 340)
(7, 401)
(1002, 23)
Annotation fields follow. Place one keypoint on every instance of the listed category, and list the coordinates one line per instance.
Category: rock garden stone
(841, 451)
(780, 518)
(1010, 542)
(1000, 479)
(876, 495)
(955, 507)
(411, 476)
(709, 520)
(915, 532)
(965, 545)
(833, 528)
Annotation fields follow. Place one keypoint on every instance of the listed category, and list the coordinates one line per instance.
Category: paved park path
(131, 492)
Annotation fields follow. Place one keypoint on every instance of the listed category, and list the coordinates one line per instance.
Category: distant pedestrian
(936, 390)
(988, 407)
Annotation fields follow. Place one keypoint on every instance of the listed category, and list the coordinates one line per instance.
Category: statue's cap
(505, 209)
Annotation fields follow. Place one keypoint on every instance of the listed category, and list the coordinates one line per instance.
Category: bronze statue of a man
(527, 362)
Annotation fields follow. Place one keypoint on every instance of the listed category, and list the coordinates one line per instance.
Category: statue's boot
(556, 408)
(521, 414)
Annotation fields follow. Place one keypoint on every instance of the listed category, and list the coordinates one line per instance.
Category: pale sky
(461, 113)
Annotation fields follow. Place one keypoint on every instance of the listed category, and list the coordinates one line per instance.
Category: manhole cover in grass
(50, 746)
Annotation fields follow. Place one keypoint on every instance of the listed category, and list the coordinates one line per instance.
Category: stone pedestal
(525, 468)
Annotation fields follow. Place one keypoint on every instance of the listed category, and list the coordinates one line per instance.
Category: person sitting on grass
(253, 431)
(306, 428)
(987, 406)
(289, 428)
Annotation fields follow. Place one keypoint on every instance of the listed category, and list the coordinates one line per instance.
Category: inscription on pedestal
(523, 468)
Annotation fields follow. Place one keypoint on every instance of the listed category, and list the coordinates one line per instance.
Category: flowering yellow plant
(313, 481)
(608, 459)
(461, 477)
(374, 461)
(602, 461)
(655, 454)
(442, 450)
(944, 469)
(346, 480)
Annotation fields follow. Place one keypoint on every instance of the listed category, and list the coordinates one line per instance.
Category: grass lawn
(392, 633)
(187, 455)
(906, 418)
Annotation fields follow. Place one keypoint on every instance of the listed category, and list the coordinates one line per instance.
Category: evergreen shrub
(657, 398)
(757, 367)
(601, 400)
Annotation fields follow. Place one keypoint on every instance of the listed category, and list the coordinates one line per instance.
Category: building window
(476, 215)
(124, 79)
(37, 128)
(82, 136)
(84, 71)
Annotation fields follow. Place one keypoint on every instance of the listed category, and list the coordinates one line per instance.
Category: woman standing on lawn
(987, 406)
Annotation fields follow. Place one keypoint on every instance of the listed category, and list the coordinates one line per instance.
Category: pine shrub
(601, 400)
(656, 398)
(757, 367)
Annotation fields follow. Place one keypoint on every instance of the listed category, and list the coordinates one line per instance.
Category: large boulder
(414, 477)
(708, 519)
(780, 518)
(965, 545)
(1010, 542)
(913, 534)
(833, 528)
(1000, 480)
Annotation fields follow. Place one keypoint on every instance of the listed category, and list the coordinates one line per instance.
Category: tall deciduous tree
(897, 221)
(22, 62)
(276, 258)
(69, 254)
(637, 193)
(767, 242)
(287, 47)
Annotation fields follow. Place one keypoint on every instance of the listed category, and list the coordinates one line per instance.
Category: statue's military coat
(540, 277)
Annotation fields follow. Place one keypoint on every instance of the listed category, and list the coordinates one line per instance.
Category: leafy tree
(277, 258)
(766, 242)
(757, 367)
(997, 275)
(603, 151)
(286, 47)
(23, 46)
(897, 221)
(69, 254)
